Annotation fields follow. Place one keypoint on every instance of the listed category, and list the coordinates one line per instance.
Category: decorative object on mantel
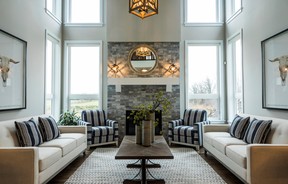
(144, 114)
(143, 8)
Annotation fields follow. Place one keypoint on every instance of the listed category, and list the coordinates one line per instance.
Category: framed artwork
(274, 70)
(13, 72)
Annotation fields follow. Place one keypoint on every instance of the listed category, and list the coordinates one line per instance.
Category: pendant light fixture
(143, 8)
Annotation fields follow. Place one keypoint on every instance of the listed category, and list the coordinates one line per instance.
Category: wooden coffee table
(130, 150)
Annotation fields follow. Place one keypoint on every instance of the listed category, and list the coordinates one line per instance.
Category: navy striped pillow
(239, 126)
(28, 133)
(257, 131)
(49, 128)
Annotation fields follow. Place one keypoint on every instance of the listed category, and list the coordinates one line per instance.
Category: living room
(169, 33)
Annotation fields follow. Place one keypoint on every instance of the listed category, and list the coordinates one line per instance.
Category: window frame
(220, 9)
(231, 71)
(220, 73)
(57, 6)
(55, 97)
(68, 12)
(231, 12)
(67, 73)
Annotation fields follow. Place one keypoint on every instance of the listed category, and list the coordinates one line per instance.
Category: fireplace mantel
(143, 81)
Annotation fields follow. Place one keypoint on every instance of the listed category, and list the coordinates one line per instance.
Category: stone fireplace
(127, 89)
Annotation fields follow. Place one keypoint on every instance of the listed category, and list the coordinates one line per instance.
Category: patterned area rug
(187, 167)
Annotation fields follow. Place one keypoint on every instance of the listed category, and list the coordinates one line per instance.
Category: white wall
(259, 20)
(28, 21)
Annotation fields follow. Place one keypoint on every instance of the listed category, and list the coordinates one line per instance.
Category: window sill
(203, 24)
(84, 24)
(234, 16)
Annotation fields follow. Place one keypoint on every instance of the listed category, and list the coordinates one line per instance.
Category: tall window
(53, 8)
(83, 75)
(202, 11)
(233, 8)
(84, 11)
(52, 75)
(204, 87)
(235, 75)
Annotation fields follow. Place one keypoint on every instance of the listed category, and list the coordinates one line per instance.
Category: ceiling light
(143, 8)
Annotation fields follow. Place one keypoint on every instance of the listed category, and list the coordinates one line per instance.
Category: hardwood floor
(226, 175)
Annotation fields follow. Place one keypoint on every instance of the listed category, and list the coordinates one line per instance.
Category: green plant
(143, 111)
(69, 118)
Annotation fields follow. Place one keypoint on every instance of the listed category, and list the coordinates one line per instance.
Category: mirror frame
(134, 50)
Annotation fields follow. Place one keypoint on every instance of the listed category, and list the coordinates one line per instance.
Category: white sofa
(252, 163)
(39, 164)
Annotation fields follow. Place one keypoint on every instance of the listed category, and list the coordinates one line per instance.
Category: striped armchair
(100, 131)
(189, 130)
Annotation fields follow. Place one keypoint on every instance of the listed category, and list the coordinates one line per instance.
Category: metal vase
(138, 134)
(146, 132)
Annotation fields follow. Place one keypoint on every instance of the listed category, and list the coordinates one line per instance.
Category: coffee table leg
(143, 167)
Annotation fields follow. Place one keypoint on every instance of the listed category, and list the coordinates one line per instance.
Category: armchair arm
(198, 127)
(171, 125)
(88, 129)
(267, 163)
(73, 129)
(19, 165)
(114, 124)
(216, 128)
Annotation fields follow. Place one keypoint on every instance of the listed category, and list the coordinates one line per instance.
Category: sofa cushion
(209, 136)
(67, 145)
(28, 133)
(239, 126)
(48, 156)
(80, 138)
(49, 128)
(220, 143)
(257, 131)
(237, 153)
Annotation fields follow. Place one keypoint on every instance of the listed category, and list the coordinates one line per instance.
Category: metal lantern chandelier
(143, 8)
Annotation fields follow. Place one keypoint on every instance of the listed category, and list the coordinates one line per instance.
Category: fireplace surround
(127, 89)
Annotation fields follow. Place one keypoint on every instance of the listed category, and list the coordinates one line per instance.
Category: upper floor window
(233, 8)
(84, 12)
(53, 8)
(235, 76)
(202, 11)
(83, 71)
(52, 75)
(204, 74)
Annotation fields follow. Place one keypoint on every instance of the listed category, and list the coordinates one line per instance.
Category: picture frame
(274, 71)
(13, 53)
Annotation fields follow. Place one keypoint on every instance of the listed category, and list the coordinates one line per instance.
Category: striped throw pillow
(257, 131)
(28, 133)
(49, 128)
(239, 126)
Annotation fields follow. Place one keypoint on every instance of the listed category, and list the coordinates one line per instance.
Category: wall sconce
(114, 68)
(172, 68)
(143, 8)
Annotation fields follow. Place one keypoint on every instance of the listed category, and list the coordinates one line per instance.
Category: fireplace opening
(130, 126)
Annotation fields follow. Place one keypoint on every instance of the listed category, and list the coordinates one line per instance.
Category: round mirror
(143, 59)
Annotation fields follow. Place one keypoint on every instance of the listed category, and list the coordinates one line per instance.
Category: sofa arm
(73, 129)
(19, 165)
(267, 163)
(88, 129)
(216, 128)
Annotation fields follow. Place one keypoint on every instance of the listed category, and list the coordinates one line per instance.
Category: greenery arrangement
(69, 118)
(143, 111)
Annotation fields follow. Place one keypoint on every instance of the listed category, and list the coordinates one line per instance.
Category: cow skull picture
(4, 68)
(283, 67)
